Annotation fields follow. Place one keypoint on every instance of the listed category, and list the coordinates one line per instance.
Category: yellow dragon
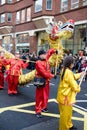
(54, 33)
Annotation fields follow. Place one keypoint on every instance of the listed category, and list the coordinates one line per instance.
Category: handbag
(39, 81)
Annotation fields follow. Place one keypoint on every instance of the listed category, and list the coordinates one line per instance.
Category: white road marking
(32, 85)
(81, 100)
(52, 84)
(82, 108)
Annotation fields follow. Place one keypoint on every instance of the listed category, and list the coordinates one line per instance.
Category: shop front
(77, 42)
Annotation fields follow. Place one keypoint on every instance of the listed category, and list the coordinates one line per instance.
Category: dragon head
(60, 30)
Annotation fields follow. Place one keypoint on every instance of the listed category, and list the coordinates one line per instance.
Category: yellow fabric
(68, 88)
(56, 58)
(77, 76)
(26, 78)
(65, 117)
(7, 67)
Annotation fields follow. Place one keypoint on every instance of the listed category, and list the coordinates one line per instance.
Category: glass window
(9, 1)
(38, 5)
(7, 40)
(2, 20)
(84, 2)
(28, 14)
(22, 16)
(64, 5)
(9, 17)
(74, 4)
(18, 17)
(23, 38)
(48, 4)
(2, 2)
(79, 35)
(77, 41)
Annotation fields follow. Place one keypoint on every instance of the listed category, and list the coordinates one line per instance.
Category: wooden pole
(82, 77)
(56, 66)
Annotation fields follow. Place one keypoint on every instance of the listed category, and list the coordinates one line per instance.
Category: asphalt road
(17, 112)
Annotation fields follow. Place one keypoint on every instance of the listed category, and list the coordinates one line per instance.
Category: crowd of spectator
(32, 57)
(79, 65)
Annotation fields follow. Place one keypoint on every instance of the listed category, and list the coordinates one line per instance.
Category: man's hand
(55, 76)
(27, 61)
(57, 52)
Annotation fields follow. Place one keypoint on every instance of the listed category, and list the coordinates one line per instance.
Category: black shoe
(1, 88)
(39, 115)
(73, 128)
(45, 110)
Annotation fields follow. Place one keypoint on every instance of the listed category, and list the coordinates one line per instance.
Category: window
(79, 34)
(9, 1)
(74, 4)
(38, 5)
(2, 20)
(48, 4)
(2, 2)
(22, 16)
(7, 40)
(84, 2)
(18, 17)
(23, 38)
(28, 14)
(64, 5)
(9, 17)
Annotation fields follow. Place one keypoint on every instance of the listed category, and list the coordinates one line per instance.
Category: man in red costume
(2, 69)
(13, 73)
(43, 70)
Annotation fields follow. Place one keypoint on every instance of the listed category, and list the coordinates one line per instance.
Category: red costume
(1, 73)
(43, 70)
(13, 74)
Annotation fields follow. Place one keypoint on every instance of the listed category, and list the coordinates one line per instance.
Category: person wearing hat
(66, 95)
(43, 70)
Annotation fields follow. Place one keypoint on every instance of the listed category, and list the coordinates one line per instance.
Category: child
(67, 90)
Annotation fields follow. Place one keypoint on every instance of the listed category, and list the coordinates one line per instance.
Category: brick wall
(78, 14)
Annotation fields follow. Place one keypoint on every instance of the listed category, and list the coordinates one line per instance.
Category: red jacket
(15, 66)
(2, 63)
(43, 66)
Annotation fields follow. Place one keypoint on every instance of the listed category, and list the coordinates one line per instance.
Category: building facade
(24, 22)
